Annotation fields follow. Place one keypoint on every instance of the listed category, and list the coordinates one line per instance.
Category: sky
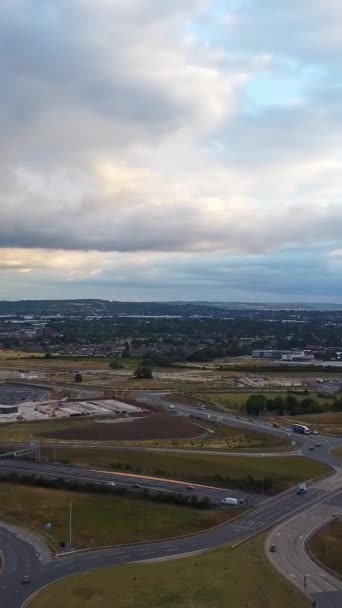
(171, 150)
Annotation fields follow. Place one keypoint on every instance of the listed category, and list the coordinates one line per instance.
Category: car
(111, 483)
(26, 579)
(137, 485)
(318, 445)
(314, 432)
(312, 447)
(190, 487)
(273, 549)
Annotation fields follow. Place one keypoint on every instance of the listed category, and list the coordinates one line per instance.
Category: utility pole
(141, 524)
(70, 525)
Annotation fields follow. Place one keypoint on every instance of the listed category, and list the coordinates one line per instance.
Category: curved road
(22, 557)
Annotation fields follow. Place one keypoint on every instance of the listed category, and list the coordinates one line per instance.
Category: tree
(78, 377)
(256, 404)
(143, 372)
(48, 355)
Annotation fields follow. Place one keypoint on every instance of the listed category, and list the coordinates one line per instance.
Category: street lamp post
(70, 525)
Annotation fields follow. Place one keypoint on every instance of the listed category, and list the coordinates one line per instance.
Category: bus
(301, 428)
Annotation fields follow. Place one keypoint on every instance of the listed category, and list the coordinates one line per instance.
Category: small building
(8, 409)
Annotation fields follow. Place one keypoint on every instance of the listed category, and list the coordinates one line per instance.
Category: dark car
(318, 445)
(273, 549)
(26, 579)
(137, 485)
(190, 487)
(311, 448)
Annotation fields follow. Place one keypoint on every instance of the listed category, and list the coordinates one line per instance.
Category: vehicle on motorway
(318, 445)
(244, 501)
(171, 407)
(275, 425)
(111, 483)
(273, 549)
(311, 448)
(302, 489)
(314, 432)
(301, 428)
(229, 501)
(26, 579)
(190, 487)
(137, 485)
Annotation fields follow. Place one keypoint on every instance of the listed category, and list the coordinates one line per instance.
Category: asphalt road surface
(22, 557)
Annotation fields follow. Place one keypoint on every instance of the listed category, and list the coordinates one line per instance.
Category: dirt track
(156, 426)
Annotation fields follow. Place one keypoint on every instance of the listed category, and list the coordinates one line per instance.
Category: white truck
(229, 501)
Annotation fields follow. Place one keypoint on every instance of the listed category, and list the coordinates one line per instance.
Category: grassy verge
(240, 578)
(271, 474)
(102, 519)
(326, 545)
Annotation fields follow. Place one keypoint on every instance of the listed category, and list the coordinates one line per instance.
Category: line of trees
(289, 405)
(59, 483)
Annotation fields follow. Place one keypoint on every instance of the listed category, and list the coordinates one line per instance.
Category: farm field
(8, 353)
(250, 473)
(326, 545)
(102, 519)
(213, 436)
(155, 426)
(206, 581)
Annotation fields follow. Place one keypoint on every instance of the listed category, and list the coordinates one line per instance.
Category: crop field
(245, 472)
(224, 578)
(102, 519)
(212, 436)
(8, 353)
(155, 426)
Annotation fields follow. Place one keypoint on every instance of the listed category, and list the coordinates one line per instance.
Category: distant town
(171, 332)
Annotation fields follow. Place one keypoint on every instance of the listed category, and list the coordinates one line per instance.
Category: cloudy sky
(171, 149)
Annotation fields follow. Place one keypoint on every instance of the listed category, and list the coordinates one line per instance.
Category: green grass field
(226, 471)
(326, 545)
(25, 431)
(224, 578)
(237, 400)
(102, 519)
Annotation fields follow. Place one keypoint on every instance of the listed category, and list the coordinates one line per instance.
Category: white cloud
(129, 134)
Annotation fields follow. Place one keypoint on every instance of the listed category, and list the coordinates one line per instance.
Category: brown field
(156, 426)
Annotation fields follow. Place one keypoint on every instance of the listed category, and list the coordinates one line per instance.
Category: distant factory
(283, 355)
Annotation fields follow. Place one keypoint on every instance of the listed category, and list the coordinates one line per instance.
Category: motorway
(23, 556)
(123, 480)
